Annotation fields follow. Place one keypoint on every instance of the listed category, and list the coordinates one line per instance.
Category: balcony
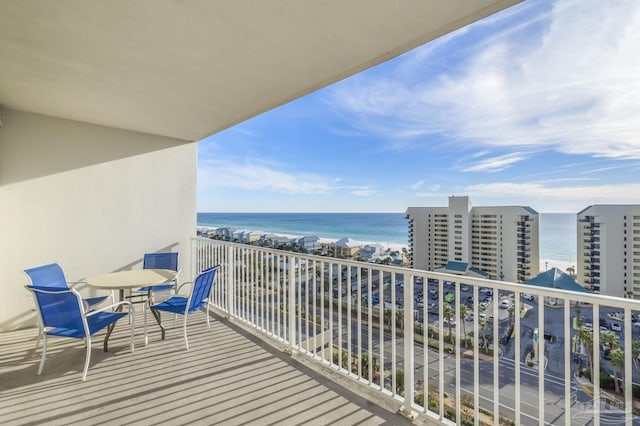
(99, 158)
(229, 376)
(271, 303)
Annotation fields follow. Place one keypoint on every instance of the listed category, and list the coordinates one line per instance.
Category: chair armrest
(182, 285)
(72, 284)
(95, 311)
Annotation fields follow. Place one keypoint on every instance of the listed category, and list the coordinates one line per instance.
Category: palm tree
(400, 318)
(586, 337)
(609, 339)
(483, 326)
(448, 312)
(578, 317)
(511, 310)
(365, 366)
(463, 315)
(635, 352)
(388, 318)
(617, 362)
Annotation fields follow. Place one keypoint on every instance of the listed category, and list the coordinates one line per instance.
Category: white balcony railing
(340, 313)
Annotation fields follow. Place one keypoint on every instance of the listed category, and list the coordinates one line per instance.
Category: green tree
(609, 339)
(400, 318)
(448, 313)
(388, 319)
(586, 337)
(617, 362)
(365, 365)
(483, 327)
(511, 310)
(635, 352)
(399, 381)
(463, 314)
(578, 316)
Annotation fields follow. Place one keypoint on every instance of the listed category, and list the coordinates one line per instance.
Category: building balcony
(228, 376)
(284, 350)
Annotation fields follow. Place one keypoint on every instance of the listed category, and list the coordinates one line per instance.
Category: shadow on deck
(229, 376)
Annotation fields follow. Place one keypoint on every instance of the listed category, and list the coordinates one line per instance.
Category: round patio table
(135, 278)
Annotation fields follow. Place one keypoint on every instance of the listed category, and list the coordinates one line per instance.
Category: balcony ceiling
(188, 69)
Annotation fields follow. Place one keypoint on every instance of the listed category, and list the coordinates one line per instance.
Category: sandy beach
(546, 264)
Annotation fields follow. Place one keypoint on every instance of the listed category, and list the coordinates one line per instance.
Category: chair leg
(184, 328)
(208, 322)
(87, 359)
(44, 353)
(40, 333)
(144, 310)
(132, 314)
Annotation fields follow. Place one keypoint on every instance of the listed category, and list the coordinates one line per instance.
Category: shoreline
(545, 264)
(322, 240)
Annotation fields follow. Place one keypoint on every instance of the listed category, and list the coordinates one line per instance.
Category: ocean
(557, 230)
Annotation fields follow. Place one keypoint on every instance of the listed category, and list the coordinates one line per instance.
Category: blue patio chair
(158, 261)
(62, 313)
(51, 275)
(185, 305)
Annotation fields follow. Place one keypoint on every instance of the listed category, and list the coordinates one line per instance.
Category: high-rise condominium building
(609, 249)
(500, 241)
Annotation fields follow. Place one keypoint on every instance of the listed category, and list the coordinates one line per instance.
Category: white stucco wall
(91, 198)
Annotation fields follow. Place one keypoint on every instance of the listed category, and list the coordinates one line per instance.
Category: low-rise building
(346, 247)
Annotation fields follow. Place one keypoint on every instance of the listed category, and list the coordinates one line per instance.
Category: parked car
(464, 287)
(588, 325)
(616, 326)
(527, 296)
(445, 323)
(505, 304)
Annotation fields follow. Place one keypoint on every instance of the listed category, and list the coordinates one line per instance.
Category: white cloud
(428, 194)
(417, 184)
(565, 79)
(435, 187)
(545, 197)
(250, 175)
(495, 164)
(364, 192)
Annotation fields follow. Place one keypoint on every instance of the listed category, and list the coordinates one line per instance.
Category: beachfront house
(101, 106)
(347, 247)
(309, 242)
(371, 252)
(275, 240)
(226, 234)
(247, 237)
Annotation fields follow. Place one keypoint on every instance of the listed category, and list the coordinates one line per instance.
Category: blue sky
(538, 105)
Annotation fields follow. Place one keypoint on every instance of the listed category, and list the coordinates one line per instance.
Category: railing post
(230, 280)
(409, 358)
(291, 303)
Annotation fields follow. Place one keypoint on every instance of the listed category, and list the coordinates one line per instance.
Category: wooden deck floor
(228, 377)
